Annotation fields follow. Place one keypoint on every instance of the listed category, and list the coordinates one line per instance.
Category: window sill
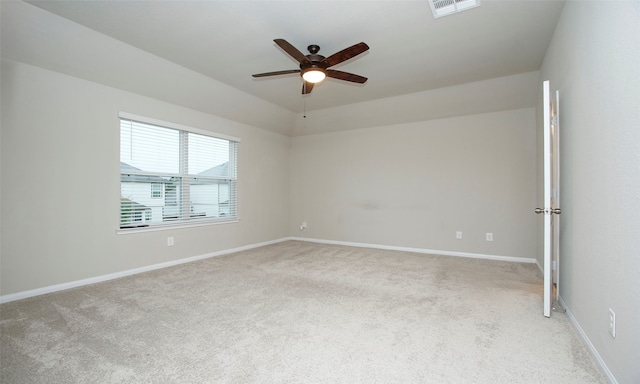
(165, 227)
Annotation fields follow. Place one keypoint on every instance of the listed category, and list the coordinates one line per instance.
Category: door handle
(556, 211)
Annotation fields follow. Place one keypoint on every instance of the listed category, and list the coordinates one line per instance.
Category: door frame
(547, 187)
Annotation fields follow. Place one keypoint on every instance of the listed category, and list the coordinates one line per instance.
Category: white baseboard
(592, 349)
(116, 275)
(420, 250)
(540, 267)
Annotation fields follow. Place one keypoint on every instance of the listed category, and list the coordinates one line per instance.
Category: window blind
(174, 175)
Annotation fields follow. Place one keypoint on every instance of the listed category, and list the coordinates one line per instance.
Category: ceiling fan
(314, 67)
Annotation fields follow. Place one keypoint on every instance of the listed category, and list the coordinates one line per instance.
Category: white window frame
(188, 221)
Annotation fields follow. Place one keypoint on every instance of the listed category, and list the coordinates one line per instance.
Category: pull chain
(304, 100)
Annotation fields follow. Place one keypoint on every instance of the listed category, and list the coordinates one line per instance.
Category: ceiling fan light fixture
(314, 75)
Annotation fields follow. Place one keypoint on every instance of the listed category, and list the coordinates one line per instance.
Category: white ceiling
(410, 51)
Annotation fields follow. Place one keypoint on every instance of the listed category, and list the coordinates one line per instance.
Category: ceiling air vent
(448, 7)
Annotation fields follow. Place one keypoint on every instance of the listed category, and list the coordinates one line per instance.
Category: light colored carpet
(298, 312)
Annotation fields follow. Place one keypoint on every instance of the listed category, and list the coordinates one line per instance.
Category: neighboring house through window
(156, 190)
(175, 175)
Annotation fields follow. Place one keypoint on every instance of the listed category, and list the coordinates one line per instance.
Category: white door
(551, 209)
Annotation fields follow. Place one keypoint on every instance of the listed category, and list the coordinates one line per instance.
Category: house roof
(221, 170)
(127, 167)
(133, 205)
(135, 178)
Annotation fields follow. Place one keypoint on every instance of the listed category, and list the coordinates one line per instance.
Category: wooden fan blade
(285, 72)
(346, 76)
(346, 54)
(307, 87)
(292, 51)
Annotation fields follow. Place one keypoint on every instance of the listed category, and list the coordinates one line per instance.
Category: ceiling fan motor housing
(314, 58)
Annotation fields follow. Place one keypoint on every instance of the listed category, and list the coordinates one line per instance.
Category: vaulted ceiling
(410, 51)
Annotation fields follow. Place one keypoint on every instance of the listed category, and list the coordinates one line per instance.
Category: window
(175, 175)
(156, 190)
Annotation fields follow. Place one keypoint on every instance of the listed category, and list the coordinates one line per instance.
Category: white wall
(61, 189)
(59, 150)
(34, 36)
(416, 184)
(594, 60)
(492, 95)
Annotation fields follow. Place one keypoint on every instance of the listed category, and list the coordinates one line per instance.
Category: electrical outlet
(303, 226)
(489, 236)
(170, 241)
(459, 235)
(612, 322)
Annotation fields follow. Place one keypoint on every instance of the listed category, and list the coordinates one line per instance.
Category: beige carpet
(298, 312)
